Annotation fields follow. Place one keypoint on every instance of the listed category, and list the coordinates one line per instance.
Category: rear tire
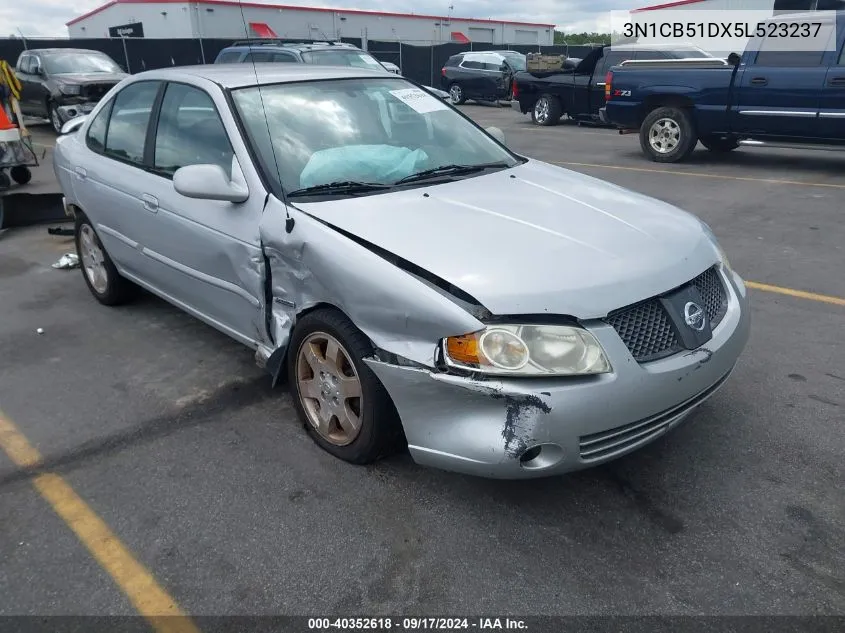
(667, 135)
(100, 274)
(547, 111)
(719, 145)
(456, 94)
(373, 429)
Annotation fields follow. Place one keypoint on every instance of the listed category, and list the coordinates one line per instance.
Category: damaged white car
(413, 279)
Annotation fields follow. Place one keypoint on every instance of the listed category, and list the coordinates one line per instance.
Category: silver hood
(535, 239)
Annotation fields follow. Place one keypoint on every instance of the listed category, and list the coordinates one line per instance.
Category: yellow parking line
(801, 294)
(672, 172)
(146, 595)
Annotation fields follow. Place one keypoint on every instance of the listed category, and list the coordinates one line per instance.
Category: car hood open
(535, 239)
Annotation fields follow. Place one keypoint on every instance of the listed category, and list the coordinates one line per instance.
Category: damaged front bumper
(73, 110)
(521, 428)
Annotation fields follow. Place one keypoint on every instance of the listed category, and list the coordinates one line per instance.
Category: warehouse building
(231, 19)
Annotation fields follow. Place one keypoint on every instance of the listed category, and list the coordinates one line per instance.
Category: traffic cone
(8, 133)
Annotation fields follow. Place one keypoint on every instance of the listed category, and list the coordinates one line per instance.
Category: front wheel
(547, 111)
(667, 135)
(719, 145)
(342, 404)
(55, 119)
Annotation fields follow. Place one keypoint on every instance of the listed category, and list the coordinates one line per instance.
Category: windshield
(372, 130)
(66, 63)
(340, 57)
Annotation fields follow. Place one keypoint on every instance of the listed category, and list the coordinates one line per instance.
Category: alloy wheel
(93, 259)
(664, 135)
(329, 388)
(541, 110)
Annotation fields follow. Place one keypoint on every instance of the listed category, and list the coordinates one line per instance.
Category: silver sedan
(412, 279)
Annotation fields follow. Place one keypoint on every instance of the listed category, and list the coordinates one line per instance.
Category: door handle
(150, 202)
(836, 81)
(759, 81)
(81, 173)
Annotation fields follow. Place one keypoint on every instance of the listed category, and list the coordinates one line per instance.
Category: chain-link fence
(419, 61)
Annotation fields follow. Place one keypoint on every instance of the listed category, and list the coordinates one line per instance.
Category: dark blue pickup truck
(767, 96)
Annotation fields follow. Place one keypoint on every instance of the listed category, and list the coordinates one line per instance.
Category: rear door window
(130, 116)
(284, 58)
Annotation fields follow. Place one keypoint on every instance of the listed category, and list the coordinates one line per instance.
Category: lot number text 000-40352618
(416, 624)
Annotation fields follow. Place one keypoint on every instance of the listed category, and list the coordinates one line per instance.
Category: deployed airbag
(364, 163)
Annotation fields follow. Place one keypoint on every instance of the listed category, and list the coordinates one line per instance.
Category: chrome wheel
(93, 259)
(456, 94)
(329, 388)
(664, 135)
(541, 110)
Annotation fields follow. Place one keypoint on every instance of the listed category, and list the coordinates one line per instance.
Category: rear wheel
(100, 274)
(456, 94)
(719, 145)
(667, 135)
(341, 402)
(547, 111)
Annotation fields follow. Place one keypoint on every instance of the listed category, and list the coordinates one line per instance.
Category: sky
(47, 18)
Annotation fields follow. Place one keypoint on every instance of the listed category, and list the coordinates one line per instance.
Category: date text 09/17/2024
(416, 624)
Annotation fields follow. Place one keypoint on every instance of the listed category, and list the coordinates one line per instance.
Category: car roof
(297, 46)
(51, 51)
(233, 75)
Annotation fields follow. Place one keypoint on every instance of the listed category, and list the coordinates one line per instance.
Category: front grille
(646, 331)
(712, 290)
(606, 444)
(95, 92)
(645, 327)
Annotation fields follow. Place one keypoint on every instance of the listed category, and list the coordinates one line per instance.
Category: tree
(575, 39)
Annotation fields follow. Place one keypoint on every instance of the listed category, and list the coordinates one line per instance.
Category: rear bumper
(515, 105)
(489, 427)
(603, 116)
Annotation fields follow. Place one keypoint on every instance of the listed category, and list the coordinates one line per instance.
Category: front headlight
(70, 89)
(527, 350)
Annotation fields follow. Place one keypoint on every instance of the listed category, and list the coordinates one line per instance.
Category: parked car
(767, 96)
(319, 53)
(481, 75)
(354, 248)
(63, 83)
(579, 92)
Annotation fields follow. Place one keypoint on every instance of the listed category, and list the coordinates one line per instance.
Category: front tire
(456, 94)
(100, 274)
(55, 119)
(667, 135)
(547, 111)
(342, 404)
(719, 145)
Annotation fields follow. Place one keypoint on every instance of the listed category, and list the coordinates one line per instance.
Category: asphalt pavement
(169, 434)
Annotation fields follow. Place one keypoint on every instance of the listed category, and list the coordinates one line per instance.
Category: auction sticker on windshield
(419, 100)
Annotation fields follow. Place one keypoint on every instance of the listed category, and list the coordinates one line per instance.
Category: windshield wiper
(450, 170)
(341, 188)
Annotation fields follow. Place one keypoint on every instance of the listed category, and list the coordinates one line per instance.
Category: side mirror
(74, 124)
(208, 182)
(734, 59)
(38, 70)
(497, 134)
